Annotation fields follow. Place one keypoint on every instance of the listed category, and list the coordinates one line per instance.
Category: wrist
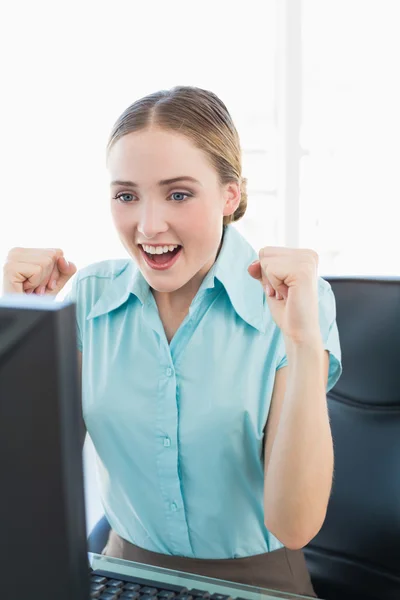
(311, 345)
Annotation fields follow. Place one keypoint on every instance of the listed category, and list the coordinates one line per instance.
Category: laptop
(43, 550)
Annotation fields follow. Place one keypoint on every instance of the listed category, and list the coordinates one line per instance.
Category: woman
(204, 366)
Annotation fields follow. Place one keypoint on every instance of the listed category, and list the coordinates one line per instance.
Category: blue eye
(124, 198)
(179, 196)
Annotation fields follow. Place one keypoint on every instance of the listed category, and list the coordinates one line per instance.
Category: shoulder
(327, 304)
(324, 288)
(106, 270)
(98, 280)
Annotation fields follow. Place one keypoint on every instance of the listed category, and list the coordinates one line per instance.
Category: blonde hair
(203, 118)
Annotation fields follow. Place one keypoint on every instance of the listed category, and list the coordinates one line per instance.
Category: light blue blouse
(178, 428)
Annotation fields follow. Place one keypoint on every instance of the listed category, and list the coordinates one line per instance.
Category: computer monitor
(42, 508)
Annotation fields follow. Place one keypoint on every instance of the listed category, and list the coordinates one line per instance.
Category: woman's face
(168, 206)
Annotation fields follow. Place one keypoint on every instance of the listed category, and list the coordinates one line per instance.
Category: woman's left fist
(290, 281)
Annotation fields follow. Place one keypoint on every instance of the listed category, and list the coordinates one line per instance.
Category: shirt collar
(124, 282)
(230, 269)
(245, 293)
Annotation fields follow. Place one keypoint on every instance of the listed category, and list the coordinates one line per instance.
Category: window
(350, 188)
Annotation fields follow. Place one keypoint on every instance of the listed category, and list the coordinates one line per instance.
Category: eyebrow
(161, 183)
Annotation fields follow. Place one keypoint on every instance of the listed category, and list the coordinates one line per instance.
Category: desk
(235, 590)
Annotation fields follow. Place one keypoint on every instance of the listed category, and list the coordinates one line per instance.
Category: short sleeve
(72, 296)
(329, 332)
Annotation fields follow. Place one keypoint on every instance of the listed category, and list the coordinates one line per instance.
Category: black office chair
(356, 556)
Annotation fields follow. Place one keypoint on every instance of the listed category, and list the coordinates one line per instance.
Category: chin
(164, 285)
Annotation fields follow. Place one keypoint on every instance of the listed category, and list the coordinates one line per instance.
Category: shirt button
(174, 507)
(169, 372)
(167, 442)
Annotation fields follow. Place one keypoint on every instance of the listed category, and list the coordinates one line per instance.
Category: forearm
(299, 471)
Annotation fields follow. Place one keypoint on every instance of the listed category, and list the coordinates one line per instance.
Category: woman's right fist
(36, 270)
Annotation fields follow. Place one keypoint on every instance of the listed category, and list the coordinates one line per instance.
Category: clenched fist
(36, 270)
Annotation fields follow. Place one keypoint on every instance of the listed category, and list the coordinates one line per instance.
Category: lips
(161, 262)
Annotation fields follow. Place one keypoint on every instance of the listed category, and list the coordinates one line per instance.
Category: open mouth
(160, 257)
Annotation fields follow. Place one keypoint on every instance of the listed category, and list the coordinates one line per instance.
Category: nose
(152, 220)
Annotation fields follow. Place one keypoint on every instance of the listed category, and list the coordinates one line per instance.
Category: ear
(231, 198)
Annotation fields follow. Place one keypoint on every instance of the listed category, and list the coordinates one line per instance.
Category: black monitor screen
(42, 512)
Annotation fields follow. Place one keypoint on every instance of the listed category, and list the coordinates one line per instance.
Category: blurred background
(313, 86)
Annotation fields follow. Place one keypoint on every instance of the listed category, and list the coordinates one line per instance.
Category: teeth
(158, 249)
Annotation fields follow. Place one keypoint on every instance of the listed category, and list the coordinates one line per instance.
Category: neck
(179, 301)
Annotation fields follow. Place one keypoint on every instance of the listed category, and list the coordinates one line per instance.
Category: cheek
(121, 218)
(206, 214)
(201, 232)
(114, 211)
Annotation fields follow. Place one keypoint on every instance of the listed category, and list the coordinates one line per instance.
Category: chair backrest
(356, 555)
